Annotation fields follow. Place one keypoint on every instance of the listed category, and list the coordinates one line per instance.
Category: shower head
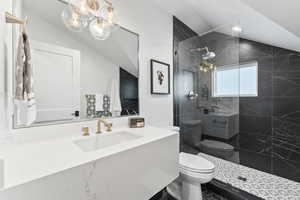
(208, 55)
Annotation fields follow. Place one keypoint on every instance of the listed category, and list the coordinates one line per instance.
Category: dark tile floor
(207, 195)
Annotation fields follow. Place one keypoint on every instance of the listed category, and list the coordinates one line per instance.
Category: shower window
(236, 80)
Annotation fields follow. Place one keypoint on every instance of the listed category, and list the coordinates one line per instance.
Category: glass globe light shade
(81, 6)
(85, 8)
(73, 20)
(109, 14)
(100, 29)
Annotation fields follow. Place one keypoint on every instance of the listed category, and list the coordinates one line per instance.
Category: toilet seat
(195, 164)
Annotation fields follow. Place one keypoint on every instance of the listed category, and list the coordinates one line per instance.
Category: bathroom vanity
(124, 164)
(220, 124)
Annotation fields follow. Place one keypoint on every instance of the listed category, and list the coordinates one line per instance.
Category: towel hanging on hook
(24, 98)
(10, 19)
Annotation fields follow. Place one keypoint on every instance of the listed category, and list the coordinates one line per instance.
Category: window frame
(230, 67)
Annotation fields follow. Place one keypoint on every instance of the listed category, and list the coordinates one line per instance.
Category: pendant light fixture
(98, 14)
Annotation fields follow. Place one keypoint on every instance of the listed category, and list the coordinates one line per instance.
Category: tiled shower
(267, 125)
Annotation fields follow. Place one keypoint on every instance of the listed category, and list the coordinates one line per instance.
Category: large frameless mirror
(76, 76)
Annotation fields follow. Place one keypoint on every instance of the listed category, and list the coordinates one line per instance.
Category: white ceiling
(273, 22)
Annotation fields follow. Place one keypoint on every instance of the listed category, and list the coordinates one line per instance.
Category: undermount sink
(103, 141)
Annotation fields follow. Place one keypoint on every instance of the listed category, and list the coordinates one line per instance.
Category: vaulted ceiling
(273, 22)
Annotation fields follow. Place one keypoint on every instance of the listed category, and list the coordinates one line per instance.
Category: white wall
(5, 62)
(156, 41)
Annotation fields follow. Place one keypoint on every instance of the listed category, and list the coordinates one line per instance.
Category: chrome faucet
(214, 108)
(106, 124)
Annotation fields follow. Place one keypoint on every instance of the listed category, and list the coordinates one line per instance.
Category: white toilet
(194, 171)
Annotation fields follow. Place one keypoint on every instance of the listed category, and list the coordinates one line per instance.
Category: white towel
(25, 112)
(114, 94)
(24, 94)
(99, 102)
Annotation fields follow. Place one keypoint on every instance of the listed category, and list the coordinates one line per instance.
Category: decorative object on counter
(85, 131)
(192, 95)
(91, 107)
(137, 122)
(98, 14)
(160, 77)
(106, 106)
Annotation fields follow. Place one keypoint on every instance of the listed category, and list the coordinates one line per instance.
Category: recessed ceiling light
(237, 29)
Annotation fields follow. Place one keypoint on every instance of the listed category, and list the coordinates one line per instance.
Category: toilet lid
(195, 163)
(212, 144)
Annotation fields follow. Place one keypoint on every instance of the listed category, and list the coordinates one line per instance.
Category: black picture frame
(162, 64)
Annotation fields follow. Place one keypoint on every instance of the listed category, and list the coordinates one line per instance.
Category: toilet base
(191, 191)
(182, 190)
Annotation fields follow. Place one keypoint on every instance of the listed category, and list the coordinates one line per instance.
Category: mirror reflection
(76, 76)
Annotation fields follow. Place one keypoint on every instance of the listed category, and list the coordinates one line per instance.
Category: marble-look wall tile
(278, 101)
(250, 50)
(255, 160)
(286, 107)
(255, 124)
(261, 107)
(255, 143)
(286, 83)
(287, 169)
(295, 62)
(265, 83)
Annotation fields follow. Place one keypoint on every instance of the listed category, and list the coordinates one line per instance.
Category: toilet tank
(191, 133)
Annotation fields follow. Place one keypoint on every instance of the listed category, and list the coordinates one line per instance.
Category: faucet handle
(98, 127)
(109, 127)
(85, 131)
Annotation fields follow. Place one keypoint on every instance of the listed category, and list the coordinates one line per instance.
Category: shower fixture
(205, 65)
(208, 54)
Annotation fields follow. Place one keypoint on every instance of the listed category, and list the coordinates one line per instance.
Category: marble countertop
(28, 161)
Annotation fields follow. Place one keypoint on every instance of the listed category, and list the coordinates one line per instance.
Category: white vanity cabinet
(220, 125)
(60, 170)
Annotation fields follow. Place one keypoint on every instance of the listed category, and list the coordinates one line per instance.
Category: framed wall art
(160, 77)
